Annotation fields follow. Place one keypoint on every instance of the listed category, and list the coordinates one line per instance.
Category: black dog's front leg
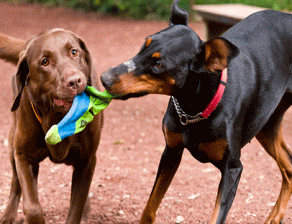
(231, 170)
(168, 166)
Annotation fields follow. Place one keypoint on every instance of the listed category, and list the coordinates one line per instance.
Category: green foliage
(141, 9)
(150, 9)
(135, 9)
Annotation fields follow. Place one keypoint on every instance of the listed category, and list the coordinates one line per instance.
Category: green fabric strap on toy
(85, 106)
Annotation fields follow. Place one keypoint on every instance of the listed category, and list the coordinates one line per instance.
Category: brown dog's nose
(75, 83)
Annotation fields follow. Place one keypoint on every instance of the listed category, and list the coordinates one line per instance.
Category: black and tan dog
(250, 64)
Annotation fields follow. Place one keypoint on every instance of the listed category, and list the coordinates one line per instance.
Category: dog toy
(85, 106)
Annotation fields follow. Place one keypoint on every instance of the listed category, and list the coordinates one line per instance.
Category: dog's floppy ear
(19, 81)
(178, 15)
(218, 53)
(88, 60)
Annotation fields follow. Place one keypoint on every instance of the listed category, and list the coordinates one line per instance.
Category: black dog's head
(166, 60)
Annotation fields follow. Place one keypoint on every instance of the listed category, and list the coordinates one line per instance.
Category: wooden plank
(219, 18)
(228, 14)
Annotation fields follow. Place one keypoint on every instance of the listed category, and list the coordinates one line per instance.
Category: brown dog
(53, 68)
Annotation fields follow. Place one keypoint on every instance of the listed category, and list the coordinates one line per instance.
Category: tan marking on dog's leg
(166, 172)
(276, 147)
(168, 166)
(216, 208)
(215, 152)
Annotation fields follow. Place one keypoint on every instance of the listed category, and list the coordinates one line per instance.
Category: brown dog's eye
(45, 62)
(74, 53)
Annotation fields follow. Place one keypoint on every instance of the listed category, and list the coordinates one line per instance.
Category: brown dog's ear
(19, 81)
(88, 60)
(218, 53)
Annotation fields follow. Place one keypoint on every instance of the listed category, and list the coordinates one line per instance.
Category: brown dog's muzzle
(75, 84)
(72, 83)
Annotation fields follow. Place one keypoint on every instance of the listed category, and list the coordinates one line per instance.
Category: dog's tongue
(62, 103)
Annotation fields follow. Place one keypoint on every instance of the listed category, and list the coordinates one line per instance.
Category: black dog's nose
(111, 76)
(107, 79)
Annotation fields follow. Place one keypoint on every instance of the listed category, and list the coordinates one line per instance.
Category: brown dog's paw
(20, 219)
(7, 220)
(86, 211)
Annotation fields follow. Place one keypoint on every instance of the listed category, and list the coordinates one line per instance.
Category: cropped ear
(218, 53)
(178, 15)
(19, 81)
(88, 61)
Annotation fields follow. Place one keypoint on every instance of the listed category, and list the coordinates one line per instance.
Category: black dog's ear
(88, 61)
(178, 15)
(218, 53)
(19, 81)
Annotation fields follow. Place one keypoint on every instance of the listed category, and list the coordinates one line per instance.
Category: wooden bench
(219, 18)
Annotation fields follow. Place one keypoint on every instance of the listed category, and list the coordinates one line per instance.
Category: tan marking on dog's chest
(214, 150)
(172, 139)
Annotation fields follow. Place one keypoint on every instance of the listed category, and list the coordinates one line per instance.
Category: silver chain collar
(185, 118)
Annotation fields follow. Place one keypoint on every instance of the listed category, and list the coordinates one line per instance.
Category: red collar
(218, 95)
(187, 119)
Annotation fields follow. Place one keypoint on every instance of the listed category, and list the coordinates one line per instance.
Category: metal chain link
(184, 117)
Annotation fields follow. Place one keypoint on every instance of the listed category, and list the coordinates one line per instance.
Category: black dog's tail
(178, 15)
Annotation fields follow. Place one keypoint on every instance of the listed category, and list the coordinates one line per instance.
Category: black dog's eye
(74, 52)
(45, 62)
(158, 64)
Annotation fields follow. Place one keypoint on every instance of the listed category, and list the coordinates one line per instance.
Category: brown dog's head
(54, 67)
(169, 60)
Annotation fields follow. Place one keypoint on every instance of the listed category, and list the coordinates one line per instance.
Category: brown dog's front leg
(27, 174)
(82, 177)
(14, 197)
(168, 166)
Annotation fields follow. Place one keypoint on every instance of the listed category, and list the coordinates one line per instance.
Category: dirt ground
(132, 140)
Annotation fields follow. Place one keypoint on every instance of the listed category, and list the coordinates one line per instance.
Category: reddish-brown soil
(132, 140)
